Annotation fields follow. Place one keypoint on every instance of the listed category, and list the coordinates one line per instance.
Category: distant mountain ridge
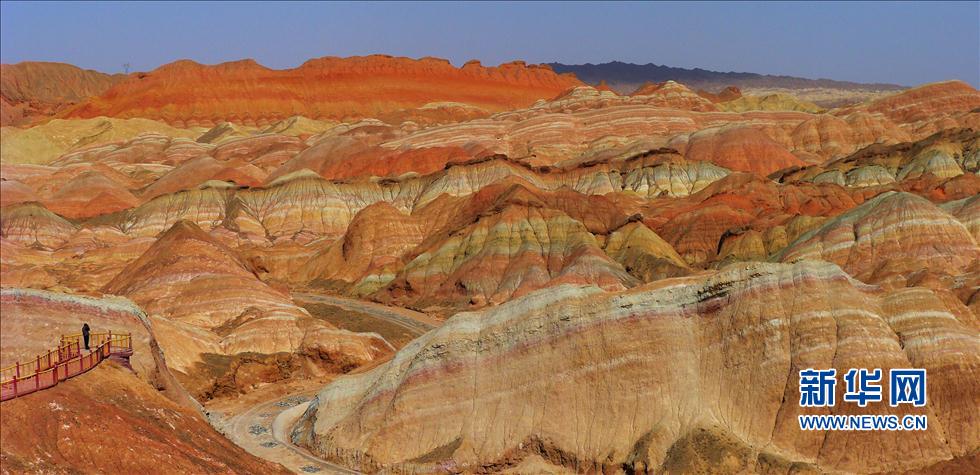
(37, 89)
(186, 93)
(626, 77)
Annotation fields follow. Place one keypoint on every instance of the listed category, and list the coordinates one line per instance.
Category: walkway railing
(61, 363)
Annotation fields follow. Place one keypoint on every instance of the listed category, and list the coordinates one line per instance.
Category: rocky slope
(740, 149)
(108, 421)
(650, 378)
(927, 109)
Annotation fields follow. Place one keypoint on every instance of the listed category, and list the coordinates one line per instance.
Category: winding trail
(263, 431)
(411, 320)
(260, 423)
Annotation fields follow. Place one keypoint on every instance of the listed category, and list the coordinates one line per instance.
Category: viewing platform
(68, 360)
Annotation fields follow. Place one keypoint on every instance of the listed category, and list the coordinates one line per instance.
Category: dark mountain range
(626, 77)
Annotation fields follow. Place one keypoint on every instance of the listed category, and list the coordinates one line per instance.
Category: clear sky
(904, 43)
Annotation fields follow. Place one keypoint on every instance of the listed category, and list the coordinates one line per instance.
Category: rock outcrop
(641, 276)
(644, 254)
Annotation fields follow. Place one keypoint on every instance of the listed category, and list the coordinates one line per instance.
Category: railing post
(18, 369)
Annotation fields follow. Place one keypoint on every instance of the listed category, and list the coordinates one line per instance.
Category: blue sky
(905, 43)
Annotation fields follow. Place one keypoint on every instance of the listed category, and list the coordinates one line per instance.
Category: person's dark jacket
(85, 332)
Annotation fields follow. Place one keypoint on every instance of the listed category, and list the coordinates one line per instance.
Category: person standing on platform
(85, 331)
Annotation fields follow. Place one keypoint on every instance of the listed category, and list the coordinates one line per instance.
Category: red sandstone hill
(108, 421)
(729, 93)
(33, 90)
(923, 102)
(188, 93)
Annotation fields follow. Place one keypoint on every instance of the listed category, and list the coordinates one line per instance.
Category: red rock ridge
(676, 96)
(924, 102)
(729, 93)
(32, 90)
(188, 93)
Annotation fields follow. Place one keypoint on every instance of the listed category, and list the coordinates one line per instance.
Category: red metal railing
(65, 361)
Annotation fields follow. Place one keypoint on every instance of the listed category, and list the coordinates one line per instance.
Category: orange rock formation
(188, 93)
(729, 93)
(34, 90)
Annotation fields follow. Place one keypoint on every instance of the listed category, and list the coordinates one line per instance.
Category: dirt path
(260, 421)
(416, 322)
(263, 430)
